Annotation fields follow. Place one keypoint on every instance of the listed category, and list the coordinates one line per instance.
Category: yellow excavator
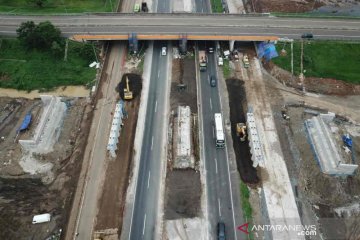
(241, 131)
(128, 95)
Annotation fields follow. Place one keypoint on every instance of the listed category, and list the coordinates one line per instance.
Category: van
(213, 81)
(42, 218)
(221, 231)
(137, 7)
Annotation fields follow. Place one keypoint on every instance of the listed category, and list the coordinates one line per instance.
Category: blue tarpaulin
(347, 141)
(26, 122)
(267, 50)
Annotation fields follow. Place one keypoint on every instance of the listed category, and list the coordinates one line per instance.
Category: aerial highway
(191, 25)
(145, 212)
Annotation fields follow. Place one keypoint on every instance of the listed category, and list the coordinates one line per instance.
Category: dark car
(221, 231)
(213, 81)
(307, 35)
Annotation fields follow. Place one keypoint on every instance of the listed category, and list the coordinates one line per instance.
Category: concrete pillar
(133, 43)
(183, 45)
(231, 43)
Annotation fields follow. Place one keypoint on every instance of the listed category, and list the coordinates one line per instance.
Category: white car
(220, 61)
(163, 51)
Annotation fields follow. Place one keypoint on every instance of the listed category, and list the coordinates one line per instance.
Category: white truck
(219, 132)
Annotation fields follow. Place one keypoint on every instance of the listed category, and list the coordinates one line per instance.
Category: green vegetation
(27, 69)
(57, 6)
(326, 59)
(226, 69)
(216, 6)
(246, 206)
(41, 36)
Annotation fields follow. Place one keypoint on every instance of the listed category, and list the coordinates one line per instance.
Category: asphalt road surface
(144, 217)
(219, 194)
(205, 24)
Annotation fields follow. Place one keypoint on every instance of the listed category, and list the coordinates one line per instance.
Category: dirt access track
(118, 170)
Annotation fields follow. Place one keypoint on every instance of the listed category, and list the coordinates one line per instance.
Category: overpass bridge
(172, 26)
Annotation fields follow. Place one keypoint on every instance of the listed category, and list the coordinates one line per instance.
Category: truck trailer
(202, 61)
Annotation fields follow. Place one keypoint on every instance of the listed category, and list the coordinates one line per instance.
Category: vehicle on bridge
(307, 35)
(219, 131)
(202, 60)
(137, 7)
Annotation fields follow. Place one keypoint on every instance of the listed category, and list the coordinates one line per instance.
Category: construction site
(315, 139)
(42, 141)
(183, 189)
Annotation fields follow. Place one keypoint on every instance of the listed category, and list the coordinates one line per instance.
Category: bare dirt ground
(312, 186)
(238, 109)
(317, 195)
(293, 6)
(312, 84)
(182, 194)
(183, 72)
(112, 200)
(183, 187)
(25, 195)
(117, 175)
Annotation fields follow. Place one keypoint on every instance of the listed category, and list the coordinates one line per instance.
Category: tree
(39, 36)
(26, 33)
(46, 34)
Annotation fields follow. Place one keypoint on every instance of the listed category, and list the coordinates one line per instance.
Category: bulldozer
(241, 131)
(128, 95)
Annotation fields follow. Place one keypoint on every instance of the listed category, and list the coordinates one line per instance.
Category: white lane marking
(155, 106)
(148, 180)
(159, 74)
(219, 207)
(210, 104)
(152, 142)
(216, 168)
(144, 224)
(213, 131)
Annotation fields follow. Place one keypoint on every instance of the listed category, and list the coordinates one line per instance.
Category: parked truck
(202, 60)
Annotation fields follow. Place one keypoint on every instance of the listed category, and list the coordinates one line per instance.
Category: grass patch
(326, 59)
(58, 6)
(216, 6)
(246, 206)
(35, 69)
(226, 69)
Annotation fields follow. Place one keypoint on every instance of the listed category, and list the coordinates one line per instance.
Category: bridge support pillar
(183, 44)
(231, 44)
(133, 43)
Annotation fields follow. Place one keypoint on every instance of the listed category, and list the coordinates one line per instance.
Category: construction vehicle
(202, 61)
(246, 61)
(241, 131)
(128, 95)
